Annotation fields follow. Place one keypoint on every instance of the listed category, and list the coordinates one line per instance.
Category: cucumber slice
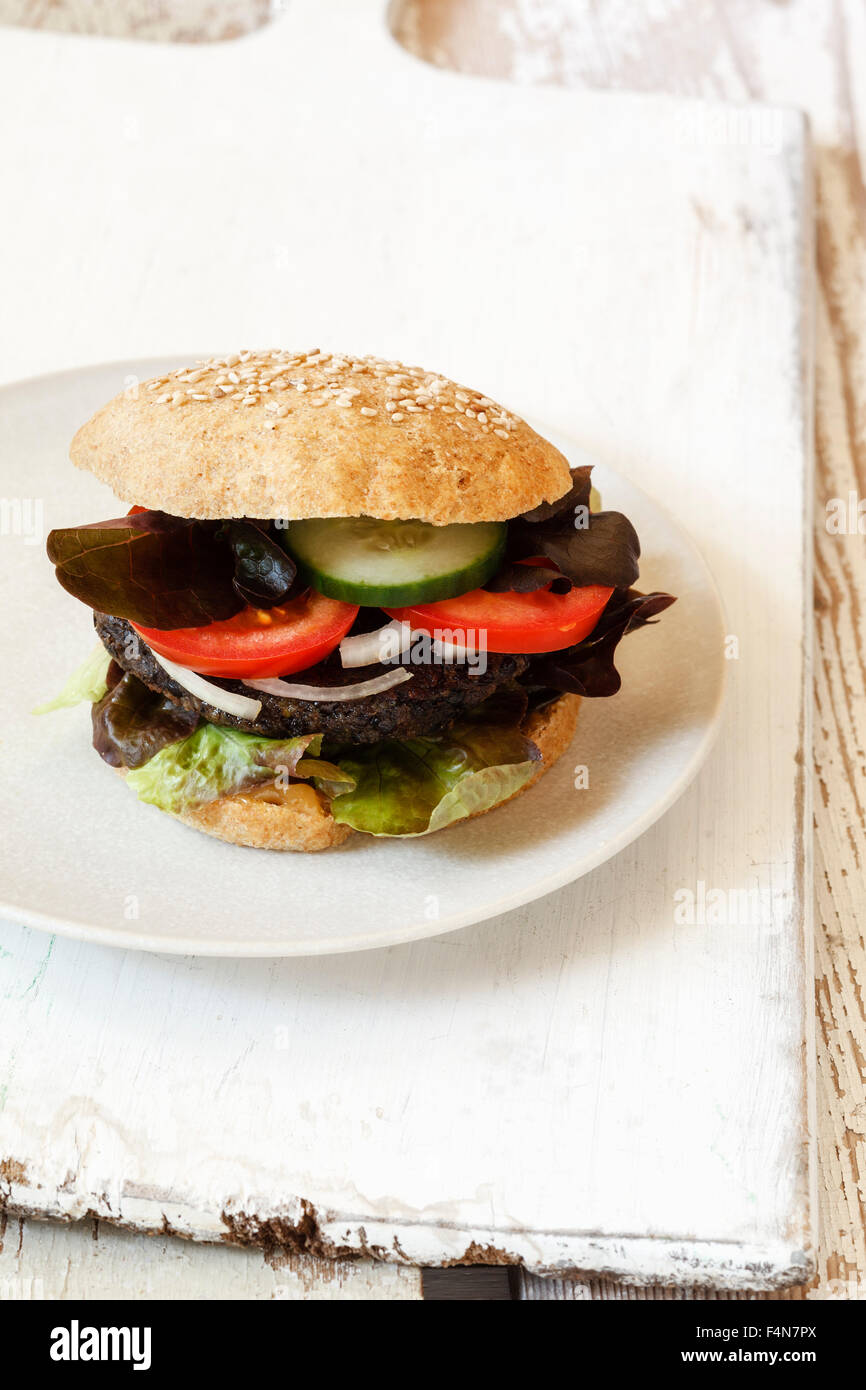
(389, 564)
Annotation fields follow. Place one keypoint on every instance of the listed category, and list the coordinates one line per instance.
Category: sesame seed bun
(299, 819)
(297, 435)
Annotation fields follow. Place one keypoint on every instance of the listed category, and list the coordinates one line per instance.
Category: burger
(348, 596)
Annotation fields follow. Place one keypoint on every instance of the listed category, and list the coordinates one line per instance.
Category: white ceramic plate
(81, 856)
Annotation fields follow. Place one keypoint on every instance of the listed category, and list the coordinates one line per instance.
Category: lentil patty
(433, 698)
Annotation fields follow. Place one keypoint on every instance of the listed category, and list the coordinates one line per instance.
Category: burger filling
(389, 664)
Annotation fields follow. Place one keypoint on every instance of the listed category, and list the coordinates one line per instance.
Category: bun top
(318, 434)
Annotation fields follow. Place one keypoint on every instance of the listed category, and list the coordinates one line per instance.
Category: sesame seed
(257, 378)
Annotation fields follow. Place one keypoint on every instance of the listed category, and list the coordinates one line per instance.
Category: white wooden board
(588, 1082)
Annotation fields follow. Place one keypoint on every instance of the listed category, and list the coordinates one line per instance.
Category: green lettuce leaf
(413, 786)
(216, 762)
(88, 682)
(328, 777)
(399, 787)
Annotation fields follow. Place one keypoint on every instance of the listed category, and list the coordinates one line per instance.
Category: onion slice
(366, 648)
(329, 694)
(229, 701)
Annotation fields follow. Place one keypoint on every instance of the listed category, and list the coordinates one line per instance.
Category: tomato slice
(536, 622)
(259, 642)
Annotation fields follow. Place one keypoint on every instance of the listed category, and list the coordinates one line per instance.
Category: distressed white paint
(90, 1259)
(581, 1082)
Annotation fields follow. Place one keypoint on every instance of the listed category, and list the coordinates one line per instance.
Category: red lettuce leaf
(167, 572)
(587, 547)
(151, 568)
(132, 722)
(514, 578)
(588, 668)
(577, 496)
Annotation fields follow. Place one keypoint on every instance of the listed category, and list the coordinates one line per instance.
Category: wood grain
(814, 57)
(161, 21)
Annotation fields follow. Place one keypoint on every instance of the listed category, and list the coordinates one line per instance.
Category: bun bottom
(298, 818)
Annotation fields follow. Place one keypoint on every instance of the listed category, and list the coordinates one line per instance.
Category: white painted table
(502, 245)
